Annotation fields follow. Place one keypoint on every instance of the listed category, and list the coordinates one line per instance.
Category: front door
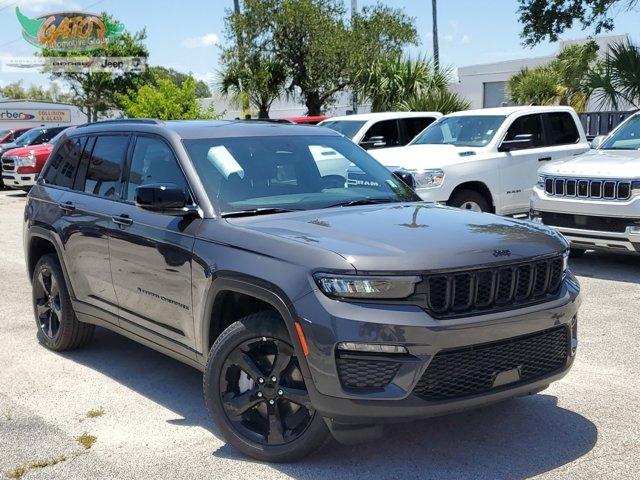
(151, 252)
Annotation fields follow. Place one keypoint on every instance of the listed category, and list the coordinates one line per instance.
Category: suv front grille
(457, 293)
(360, 372)
(587, 188)
(8, 164)
(473, 370)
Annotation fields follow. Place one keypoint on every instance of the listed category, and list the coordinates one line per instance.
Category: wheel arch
(479, 187)
(39, 242)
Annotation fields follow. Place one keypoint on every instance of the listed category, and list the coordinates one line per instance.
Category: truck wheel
(58, 327)
(469, 200)
(255, 392)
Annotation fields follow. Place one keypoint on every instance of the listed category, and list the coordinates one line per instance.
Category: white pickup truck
(488, 159)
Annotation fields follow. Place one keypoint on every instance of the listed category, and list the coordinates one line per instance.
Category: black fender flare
(51, 237)
(225, 281)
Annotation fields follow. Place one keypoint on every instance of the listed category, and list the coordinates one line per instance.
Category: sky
(187, 34)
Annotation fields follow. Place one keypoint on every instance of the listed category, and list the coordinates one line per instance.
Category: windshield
(3, 133)
(461, 131)
(28, 137)
(627, 137)
(291, 173)
(55, 139)
(348, 128)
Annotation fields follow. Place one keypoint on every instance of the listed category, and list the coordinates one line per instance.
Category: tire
(222, 376)
(576, 252)
(469, 200)
(58, 327)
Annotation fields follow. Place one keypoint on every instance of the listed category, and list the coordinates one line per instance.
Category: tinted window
(29, 137)
(561, 128)
(413, 126)
(61, 168)
(49, 134)
(105, 166)
(461, 130)
(348, 128)
(627, 137)
(387, 129)
(527, 125)
(153, 162)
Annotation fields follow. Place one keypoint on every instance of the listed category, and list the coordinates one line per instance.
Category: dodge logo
(502, 253)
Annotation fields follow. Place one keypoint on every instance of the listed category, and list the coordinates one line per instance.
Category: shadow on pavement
(607, 266)
(514, 439)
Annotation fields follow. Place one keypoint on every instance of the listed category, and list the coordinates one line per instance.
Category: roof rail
(146, 121)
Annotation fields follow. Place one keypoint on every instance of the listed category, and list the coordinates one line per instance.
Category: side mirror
(519, 142)
(163, 197)
(597, 141)
(374, 142)
(406, 178)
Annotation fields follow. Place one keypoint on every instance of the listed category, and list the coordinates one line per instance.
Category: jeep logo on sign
(69, 31)
(502, 253)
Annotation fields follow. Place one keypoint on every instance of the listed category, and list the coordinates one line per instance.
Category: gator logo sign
(69, 31)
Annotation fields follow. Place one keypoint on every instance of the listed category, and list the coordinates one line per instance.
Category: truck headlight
(373, 287)
(540, 181)
(429, 178)
(28, 161)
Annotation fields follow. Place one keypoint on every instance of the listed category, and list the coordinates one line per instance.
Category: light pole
(436, 52)
(354, 94)
(243, 97)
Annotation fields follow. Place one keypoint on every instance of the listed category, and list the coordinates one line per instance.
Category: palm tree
(616, 79)
(436, 49)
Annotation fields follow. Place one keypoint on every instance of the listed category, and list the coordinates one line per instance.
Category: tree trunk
(263, 111)
(313, 103)
(436, 50)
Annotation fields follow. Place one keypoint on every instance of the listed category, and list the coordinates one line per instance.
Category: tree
(442, 101)
(320, 50)
(153, 74)
(95, 93)
(164, 101)
(563, 81)
(547, 19)
(16, 91)
(615, 80)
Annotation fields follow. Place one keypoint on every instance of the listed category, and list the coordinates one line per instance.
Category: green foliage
(563, 81)
(307, 48)
(164, 101)
(15, 91)
(98, 92)
(442, 101)
(547, 19)
(153, 74)
(616, 79)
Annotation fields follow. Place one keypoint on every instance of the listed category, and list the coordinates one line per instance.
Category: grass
(86, 440)
(95, 413)
(19, 472)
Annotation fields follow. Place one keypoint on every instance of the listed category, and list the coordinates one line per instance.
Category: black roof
(193, 129)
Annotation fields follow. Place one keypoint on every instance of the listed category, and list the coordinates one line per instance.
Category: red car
(21, 166)
(314, 120)
(10, 134)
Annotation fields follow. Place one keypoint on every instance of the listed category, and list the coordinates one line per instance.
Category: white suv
(381, 130)
(487, 160)
(594, 199)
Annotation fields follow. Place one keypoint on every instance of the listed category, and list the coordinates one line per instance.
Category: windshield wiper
(362, 201)
(255, 211)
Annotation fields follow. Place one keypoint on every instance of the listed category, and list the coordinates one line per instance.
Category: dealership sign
(56, 115)
(69, 31)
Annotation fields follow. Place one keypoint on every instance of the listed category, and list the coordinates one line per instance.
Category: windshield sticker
(224, 162)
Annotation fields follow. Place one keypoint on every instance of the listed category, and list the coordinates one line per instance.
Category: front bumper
(423, 337)
(19, 180)
(627, 241)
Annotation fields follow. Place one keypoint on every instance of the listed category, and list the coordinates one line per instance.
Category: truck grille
(8, 164)
(481, 290)
(359, 372)
(587, 188)
(588, 222)
(473, 370)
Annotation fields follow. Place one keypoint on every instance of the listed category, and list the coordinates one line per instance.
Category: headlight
(373, 287)
(635, 187)
(430, 178)
(28, 161)
(565, 263)
(541, 181)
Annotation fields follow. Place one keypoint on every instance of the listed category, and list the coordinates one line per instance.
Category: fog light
(371, 347)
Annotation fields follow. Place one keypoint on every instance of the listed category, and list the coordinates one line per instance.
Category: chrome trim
(560, 187)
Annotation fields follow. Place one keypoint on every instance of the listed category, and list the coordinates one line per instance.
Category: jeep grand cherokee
(314, 306)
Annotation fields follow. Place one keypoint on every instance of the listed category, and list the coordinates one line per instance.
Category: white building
(485, 85)
(32, 113)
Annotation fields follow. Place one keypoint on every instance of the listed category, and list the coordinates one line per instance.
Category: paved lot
(155, 425)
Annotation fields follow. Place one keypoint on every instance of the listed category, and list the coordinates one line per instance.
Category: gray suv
(314, 303)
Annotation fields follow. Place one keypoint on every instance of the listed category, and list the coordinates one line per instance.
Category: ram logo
(502, 253)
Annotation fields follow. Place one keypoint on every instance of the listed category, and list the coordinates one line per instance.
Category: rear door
(411, 127)
(562, 135)
(151, 252)
(519, 168)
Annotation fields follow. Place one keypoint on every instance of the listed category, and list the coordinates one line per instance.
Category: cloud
(206, 40)
(42, 6)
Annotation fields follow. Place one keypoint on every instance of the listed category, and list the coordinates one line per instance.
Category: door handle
(123, 220)
(67, 207)
(544, 159)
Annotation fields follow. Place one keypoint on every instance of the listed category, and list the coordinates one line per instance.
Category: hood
(414, 157)
(597, 163)
(34, 149)
(409, 237)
